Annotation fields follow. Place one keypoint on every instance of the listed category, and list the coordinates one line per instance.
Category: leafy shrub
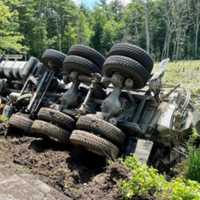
(146, 182)
(180, 189)
(193, 165)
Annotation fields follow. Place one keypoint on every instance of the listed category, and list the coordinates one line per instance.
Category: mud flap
(143, 150)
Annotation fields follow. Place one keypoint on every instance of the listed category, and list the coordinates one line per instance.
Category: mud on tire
(56, 117)
(94, 144)
(42, 128)
(101, 127)
(21, 122)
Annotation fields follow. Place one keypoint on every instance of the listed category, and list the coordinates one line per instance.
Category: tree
(11, 39)
(84, 27)
(147, 25)
(196, 7)
(164, 28)
(135, 23)
(108, 25)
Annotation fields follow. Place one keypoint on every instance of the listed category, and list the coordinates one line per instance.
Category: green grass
(146, 183)
(187, 73)
(193, 165)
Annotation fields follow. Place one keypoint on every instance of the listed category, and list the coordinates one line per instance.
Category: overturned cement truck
(109, 106)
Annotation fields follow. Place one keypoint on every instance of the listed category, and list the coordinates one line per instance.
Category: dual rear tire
(84, 60)
(21, 122)
(134, 52)
(46, 129)
(131, 62)
(103, 140)
(92, 134)
(101, 128)
(98, 136)
(53, 124)
(94, 144)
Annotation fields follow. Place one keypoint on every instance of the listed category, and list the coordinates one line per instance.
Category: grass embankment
(187, 73)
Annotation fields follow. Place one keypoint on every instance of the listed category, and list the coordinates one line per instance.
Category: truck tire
(56, 117)
(79, 64)
(102, 128)
(134, 52)
(88, 53)
(56, 58)
(20, 122)
(52, 131)
(94, 144)
(128, 68)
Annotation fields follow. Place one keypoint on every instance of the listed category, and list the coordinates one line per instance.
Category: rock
(26, 187)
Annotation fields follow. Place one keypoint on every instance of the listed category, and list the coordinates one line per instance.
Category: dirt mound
(76, 173)
(104, 185)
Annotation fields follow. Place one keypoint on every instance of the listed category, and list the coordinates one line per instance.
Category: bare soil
(76, 173)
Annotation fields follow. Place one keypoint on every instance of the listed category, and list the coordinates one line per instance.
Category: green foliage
(85, 31)
(33, 26)
(134, 19)
(144, 182)
(112, 31)
(10, 37)
(49, 24)
(179, 189)
(147, 182)
(193, 165)
(108, 25)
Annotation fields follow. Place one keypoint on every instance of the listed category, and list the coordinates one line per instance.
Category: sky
(91, 3)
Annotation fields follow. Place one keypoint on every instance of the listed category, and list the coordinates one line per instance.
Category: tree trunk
(147, 26)
(197, 30)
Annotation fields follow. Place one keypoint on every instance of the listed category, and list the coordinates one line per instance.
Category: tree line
(165, 28)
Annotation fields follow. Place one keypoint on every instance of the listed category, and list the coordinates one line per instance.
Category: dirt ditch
(76, 173)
